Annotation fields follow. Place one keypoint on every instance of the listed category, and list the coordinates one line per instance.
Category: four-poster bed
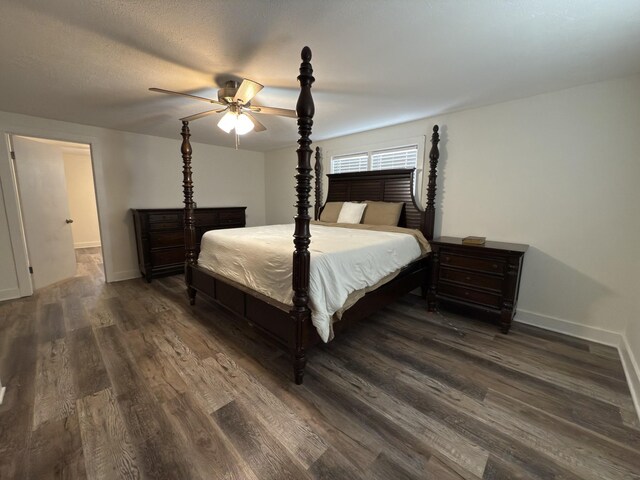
(291, 325)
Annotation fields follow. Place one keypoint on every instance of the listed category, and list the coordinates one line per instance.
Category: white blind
(404, 157)
(358, 162)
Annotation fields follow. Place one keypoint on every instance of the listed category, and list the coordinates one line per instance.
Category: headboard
(390, 186)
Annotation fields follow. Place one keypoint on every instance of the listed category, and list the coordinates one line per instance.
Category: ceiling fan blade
(246, 91)
(170, 92)
(283, 112)
(201, 114)
(257, 126)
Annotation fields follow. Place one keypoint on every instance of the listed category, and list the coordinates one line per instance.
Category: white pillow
(351, 212)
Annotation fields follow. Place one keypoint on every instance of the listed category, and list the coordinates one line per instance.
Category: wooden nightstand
(484, 278)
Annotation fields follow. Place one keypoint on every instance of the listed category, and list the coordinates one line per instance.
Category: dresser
(160, 235)
(481, 278)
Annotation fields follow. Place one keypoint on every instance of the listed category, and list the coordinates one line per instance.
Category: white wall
(557, 171)
(82, 199)
(131, 171)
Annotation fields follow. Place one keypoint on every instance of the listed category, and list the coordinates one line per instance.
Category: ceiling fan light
(228, 121)
(243, 124)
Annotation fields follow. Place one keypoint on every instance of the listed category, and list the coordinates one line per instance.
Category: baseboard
(87, 244)
(630, 362)
(593, 334)
(9, 294)
(124, 275)
(632, 370)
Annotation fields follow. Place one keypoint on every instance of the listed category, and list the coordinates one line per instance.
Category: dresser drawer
(165, 217)
(165, 221)
(168, 256)
(469, 295)
(231, 217)
(207, 218)
(160, 236)
(474, 263)
(481, 280)
(168, 238)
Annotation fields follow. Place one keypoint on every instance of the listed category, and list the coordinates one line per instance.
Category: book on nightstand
(473, 240)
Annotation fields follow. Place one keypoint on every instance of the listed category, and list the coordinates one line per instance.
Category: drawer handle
(468, 278)
(466, 293)
(495, 265)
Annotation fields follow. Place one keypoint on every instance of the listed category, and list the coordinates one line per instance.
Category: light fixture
(243, 124)
(234, 120)
(228, 121)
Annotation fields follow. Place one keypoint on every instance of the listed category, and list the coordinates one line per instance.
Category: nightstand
(482, 278)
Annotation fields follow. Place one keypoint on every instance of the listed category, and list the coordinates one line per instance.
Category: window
(398, 157)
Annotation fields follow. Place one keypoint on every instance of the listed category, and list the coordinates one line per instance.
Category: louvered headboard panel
(383, 185)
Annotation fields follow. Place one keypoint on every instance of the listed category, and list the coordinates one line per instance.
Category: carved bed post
(300, 313)
(430, 211)
(189, 219)
(318, 177)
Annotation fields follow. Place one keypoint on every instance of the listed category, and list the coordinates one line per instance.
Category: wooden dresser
(484, 278)
(160, 235)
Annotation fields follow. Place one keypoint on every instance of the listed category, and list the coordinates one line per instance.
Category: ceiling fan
(238, 111)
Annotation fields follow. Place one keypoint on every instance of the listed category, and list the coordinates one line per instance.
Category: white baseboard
(630, 359)
(632, 371)
(593, 334)
(9, 294)
(124, 275)
(87, 244)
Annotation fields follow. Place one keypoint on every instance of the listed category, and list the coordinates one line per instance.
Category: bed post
(318, 178)
(189, 219)
(300, 313)
(430, 212)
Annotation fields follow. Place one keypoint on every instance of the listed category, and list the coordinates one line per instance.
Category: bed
(289, 321)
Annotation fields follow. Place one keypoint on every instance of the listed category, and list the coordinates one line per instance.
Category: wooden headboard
(390, 186)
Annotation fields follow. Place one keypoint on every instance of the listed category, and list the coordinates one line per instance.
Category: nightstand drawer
(481, 280)
(474, 263)
(469, 295)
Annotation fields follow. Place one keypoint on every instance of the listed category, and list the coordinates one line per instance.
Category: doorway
(58, 208)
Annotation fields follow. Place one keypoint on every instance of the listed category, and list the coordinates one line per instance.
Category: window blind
(404, 157)
(358, 162)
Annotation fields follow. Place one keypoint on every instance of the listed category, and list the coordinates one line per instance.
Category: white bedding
(342, 260)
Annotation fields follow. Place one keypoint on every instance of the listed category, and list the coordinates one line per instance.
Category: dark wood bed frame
(291, 327)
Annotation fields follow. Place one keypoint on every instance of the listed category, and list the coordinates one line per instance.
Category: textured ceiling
(377, 62)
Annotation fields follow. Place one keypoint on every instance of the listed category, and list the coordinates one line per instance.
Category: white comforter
(342, 260)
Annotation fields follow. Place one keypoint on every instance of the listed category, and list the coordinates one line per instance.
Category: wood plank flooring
(128, 381)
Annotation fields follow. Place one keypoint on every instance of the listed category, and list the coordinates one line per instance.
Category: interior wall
(82, 199)
(557, 171)
(132, 171)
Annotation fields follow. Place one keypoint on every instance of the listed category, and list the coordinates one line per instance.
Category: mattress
(342, 261)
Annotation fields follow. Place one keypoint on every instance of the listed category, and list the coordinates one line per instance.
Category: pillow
(330, 212)
(351, 212)
(382, 213)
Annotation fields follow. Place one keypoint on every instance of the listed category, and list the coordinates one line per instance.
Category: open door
(44, 203)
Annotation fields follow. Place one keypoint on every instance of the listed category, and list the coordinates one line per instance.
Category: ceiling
(376, 62)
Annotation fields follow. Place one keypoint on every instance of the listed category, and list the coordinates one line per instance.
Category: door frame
(9, 185)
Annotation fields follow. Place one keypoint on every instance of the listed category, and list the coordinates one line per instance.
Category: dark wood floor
(127, 381)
